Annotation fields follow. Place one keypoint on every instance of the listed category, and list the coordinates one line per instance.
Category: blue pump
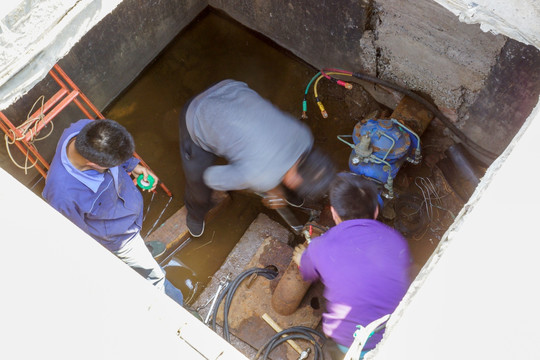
(381, 146)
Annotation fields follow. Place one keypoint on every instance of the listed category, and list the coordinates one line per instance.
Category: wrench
(222, 285)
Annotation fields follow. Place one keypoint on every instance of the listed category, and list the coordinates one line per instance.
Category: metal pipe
(289, 291)
(290, 219)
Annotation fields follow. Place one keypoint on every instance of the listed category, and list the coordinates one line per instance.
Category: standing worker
(264, 147)
(88, 182)
(363, 264)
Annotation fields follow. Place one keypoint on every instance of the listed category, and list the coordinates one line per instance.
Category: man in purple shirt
(363, 263)
(88, 182)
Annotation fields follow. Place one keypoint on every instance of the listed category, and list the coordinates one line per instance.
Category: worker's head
(105, 143)
(353, 197)
(311, 175)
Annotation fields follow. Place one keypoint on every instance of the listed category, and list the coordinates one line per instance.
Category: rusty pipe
(289, 291)
(291, 288)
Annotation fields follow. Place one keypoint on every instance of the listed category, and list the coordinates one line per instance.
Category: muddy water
(211, 49)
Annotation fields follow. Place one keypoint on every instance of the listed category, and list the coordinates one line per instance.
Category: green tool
(145, 185)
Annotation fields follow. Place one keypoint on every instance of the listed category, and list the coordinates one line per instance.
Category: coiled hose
(295, 332)
(228, 294)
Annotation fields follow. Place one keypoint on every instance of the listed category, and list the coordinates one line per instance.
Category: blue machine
(380, 147)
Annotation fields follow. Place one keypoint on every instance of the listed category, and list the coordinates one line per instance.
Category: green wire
(311, 81)
(304, 102)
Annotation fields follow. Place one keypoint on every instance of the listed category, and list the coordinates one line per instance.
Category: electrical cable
(434, 109)
(318, 349)
(339, 82)
(303, 332)
(304, 102)
(228, 294)
(431, 107)
(160, 215)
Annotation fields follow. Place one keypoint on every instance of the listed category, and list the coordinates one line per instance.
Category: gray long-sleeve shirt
(260, 142)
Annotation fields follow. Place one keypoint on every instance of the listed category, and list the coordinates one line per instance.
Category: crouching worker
(363, 264)
(267, 151)
(88, 182)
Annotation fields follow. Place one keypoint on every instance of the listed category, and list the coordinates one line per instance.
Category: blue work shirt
(107, 206)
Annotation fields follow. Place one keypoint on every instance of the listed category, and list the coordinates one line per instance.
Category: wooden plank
(174, 231)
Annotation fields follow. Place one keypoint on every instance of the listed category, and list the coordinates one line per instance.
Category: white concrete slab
(34, 35)
(517, 19)
(64, 296)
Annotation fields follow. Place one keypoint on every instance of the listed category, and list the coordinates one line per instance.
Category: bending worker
(363, 264)
(88, 182)
(264, 147)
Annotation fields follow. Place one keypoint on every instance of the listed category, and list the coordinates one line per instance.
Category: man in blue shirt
(89, 183)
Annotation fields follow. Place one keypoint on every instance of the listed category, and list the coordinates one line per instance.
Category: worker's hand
(297, 254)
(274, 199)
(139, 169)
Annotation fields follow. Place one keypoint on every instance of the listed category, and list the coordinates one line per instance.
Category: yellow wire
(321, 76)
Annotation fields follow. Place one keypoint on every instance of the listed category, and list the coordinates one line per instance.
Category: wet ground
(214, 48)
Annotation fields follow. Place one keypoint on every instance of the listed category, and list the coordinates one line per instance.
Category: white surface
(478, 299)
(35, 34)
(517, 19)
(64, 296)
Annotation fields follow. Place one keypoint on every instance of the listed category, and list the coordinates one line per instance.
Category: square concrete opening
(145, 59)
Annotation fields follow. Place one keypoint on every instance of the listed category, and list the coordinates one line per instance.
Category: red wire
(337, 70)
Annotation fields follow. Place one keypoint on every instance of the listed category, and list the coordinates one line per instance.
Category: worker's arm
(303, 257)
(225, 178)
(233, 177)
(297, 254)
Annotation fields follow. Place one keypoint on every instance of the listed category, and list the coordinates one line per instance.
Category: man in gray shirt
(264, 147)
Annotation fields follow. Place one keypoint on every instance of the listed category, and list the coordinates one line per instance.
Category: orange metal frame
(69, 92)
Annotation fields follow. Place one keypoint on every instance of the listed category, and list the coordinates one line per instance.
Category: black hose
(304, 331)
(228, 294)
(297, 332)
(318, 350)
(447, 122)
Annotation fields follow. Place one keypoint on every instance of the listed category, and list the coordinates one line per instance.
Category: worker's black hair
(105, 143)
(353, 197)
(317, 171)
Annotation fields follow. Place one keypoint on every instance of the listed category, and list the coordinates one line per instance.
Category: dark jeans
(195, 160)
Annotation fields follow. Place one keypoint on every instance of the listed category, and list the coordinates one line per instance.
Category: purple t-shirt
(364, 266)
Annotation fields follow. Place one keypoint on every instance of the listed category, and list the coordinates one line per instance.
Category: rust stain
(249, 304)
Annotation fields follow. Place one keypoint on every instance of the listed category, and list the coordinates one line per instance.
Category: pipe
(446, 121)
(289, 291)
(291, 288)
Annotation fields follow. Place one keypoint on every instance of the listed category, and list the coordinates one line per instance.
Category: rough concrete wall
(105, 61)
(510, 92)
(324, 33)
(114, 52)
(425, 47)
(417, 44)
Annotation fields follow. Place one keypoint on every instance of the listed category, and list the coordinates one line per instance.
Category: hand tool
(222, 285)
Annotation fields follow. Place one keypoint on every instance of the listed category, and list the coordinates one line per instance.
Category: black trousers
(195, 160)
